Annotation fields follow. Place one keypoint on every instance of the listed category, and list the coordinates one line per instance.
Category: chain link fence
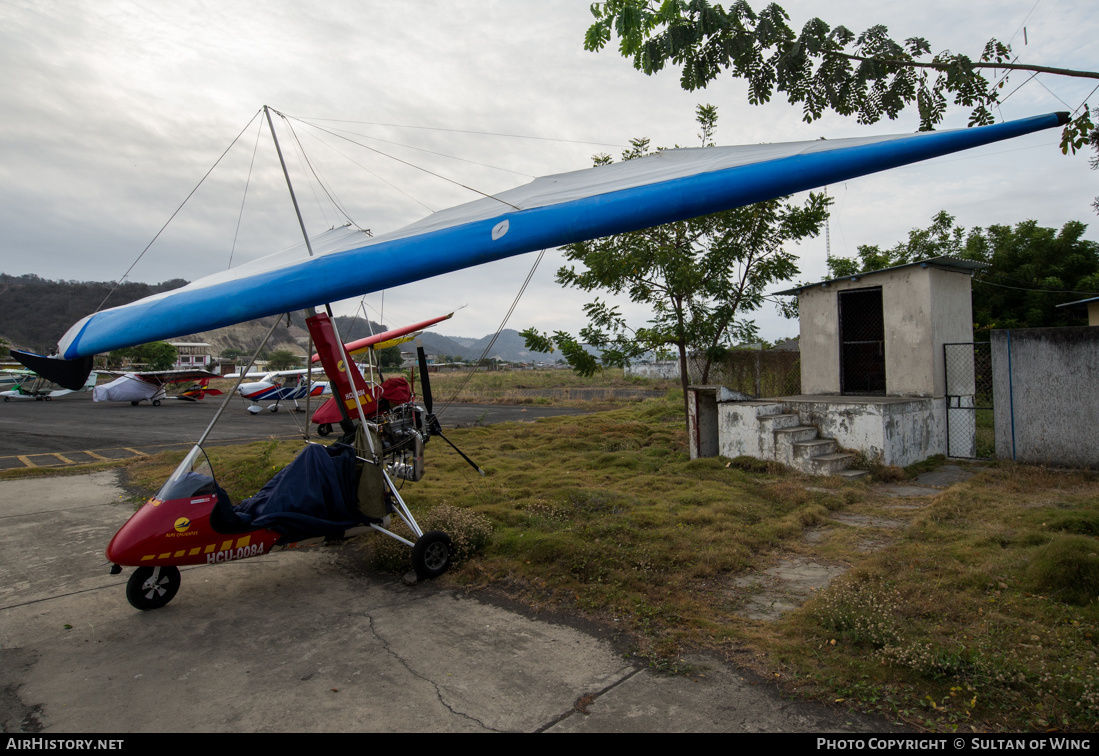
(970, 412)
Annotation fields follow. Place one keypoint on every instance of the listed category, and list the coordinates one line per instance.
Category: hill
(37, 312)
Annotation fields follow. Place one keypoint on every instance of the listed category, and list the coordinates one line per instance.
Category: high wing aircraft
(273, 386)
(152, 386)
(325, 493)
(29, 385)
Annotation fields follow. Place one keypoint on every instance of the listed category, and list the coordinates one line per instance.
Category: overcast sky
(113, 111)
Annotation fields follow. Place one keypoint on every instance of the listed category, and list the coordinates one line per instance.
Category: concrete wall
(923, 309)
(1046, 393)
(668, 370)
(890, 431)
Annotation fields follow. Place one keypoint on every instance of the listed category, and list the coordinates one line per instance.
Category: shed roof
(945, 263)
(1079, 302)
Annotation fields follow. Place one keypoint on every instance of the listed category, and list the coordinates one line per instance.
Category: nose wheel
(152, 587)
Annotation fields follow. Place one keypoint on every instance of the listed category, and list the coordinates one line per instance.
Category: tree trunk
(684, 379)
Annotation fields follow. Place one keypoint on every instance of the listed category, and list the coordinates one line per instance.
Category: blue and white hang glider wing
(548, 212)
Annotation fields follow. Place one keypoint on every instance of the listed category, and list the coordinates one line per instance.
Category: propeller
(433, 426)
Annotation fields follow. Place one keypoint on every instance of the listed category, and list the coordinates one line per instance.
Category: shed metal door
(862, 341)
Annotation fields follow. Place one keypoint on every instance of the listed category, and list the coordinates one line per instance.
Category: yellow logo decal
(182, 524)
(340, 367)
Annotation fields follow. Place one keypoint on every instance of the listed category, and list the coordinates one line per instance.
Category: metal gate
(970, 416)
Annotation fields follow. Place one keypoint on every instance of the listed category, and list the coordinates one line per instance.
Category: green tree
(1033, 269)
(700, 277)
(283, 359)
(390, 357)
(868, 75)
(156, 355)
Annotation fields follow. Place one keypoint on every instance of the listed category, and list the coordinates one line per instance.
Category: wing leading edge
(549, 212)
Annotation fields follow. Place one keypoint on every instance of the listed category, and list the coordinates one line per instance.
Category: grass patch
(608, 388)
(964, 620)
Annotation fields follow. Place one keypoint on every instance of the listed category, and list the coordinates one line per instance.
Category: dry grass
(947, 625)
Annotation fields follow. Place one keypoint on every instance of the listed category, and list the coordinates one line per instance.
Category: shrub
(469, 533)
(1067, 569)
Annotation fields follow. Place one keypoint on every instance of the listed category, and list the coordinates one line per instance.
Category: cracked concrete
(306, 642)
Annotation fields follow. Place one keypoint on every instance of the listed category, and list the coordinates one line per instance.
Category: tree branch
(907, 63)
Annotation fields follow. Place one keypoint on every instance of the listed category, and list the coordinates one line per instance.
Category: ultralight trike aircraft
(331, 491)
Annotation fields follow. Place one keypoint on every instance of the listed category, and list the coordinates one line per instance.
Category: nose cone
(136, 538)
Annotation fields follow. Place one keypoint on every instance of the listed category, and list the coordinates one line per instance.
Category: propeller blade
(425, 381)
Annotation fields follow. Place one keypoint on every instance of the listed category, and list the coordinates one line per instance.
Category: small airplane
(152, 386)
(29, 385)
(326, 494)
(270, 386)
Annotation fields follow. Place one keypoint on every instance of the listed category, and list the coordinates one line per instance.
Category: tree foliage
(868, 75)
(701, 277)
(156, 355)
(283, 359)
(1033, 269)
(390, 357)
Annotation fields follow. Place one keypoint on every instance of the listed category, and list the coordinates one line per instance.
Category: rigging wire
(335, 202)
(465, 131)
(412, 165)
(488, 347)
(429, 152)
(390, 184)
(299, 152)
(173, 215)
(247, 183)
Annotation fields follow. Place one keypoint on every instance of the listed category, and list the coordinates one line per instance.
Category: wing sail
(548, 212)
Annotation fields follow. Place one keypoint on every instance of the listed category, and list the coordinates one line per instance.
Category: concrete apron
(304, 642)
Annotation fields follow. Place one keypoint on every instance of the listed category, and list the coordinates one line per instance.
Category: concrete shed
(873, 377)
(882, 333)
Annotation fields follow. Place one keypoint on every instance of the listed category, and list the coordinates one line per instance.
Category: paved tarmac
(74, 430)
(310, 641)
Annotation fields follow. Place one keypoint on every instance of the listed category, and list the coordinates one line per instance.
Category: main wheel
(144, 593)
(322, 430)
(48, 397)
(431, 554)
(156, 402)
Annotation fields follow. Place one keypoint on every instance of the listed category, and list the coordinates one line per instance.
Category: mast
(348, 365)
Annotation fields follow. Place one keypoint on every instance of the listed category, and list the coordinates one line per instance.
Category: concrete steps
(800, 446)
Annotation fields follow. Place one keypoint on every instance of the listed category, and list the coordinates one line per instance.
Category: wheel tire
(156, 402)
(49, 398)
(7, 398)
(322, 430)
(431, 554)
(145, 597)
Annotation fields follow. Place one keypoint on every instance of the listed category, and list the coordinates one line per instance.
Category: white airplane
(30, 385)
(273, 386)
(152, 386)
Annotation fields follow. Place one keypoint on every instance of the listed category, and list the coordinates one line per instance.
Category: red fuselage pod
(178, 532)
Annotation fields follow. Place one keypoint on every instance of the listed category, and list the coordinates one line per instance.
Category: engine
(403, 438)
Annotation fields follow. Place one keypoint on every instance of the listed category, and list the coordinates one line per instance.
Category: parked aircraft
(152, 386)
(29, 385)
